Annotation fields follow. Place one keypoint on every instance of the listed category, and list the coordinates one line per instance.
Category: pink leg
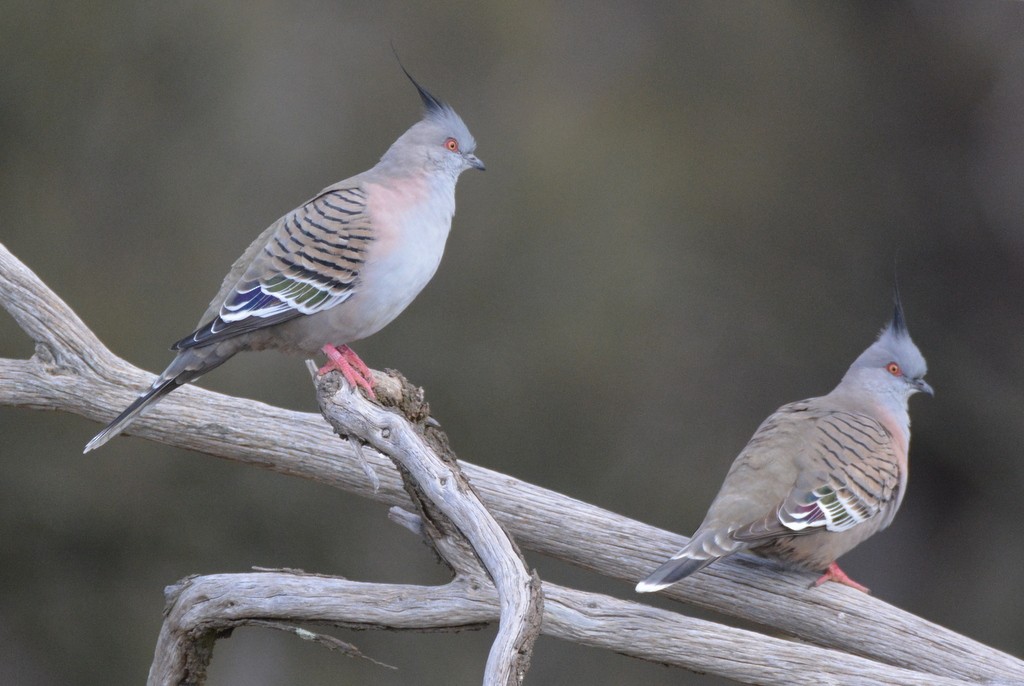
(354, 360)
(354, 370)
(833, 573)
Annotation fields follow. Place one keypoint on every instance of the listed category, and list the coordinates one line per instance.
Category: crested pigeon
(820, 475)
(336, 269)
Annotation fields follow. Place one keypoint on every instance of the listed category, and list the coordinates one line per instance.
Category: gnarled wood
(71, 371)
(448, 502)
(203, 608)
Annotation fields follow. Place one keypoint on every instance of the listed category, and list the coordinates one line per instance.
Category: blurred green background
(690, 217)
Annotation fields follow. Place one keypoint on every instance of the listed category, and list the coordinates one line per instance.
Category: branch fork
(845, 637)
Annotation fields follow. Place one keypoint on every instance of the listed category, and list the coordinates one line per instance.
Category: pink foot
(355, 371)
(833, 573)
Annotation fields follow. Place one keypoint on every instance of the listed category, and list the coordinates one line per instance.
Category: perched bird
(336, 269)
(820, 475)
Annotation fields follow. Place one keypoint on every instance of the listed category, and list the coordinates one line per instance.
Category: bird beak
(923, 386)
(475, 162)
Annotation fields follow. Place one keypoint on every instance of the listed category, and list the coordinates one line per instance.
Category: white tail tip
(645, 587)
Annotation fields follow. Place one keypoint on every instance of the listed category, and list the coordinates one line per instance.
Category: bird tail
(157, 391)
(188, 366)
(706, 546)
(675, 568)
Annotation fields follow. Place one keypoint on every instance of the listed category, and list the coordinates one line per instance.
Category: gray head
(439, 141)
(892, 366)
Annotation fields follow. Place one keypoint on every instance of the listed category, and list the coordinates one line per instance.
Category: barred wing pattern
(856, 476)
(309, 263)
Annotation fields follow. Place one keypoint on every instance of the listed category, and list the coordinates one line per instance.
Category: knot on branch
(395, 391)
(455, 520)
(404, 401)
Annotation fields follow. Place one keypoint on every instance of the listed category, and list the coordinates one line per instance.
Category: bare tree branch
(448, 502)
(207, 607)
(71, 371)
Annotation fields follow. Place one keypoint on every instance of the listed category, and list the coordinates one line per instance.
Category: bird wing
(306, 262)
(807, 468)
(847, 472)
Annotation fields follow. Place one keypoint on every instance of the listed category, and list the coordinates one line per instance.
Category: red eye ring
(452, 144)
(894, 369)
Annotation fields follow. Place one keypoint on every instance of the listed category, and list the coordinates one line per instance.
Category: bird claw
(833, 573)
(354, 370)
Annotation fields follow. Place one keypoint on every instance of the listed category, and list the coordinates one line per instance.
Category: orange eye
(452, 144)
(894, 369)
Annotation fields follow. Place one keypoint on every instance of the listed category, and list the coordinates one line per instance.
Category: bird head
(892, 366)
(439, 141)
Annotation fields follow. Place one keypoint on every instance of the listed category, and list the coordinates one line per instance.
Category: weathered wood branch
(448, 503)
(453, 521)
(71, 371)
(204, 608)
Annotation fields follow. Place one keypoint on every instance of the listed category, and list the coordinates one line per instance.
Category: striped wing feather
(309, 262)
(856, 474)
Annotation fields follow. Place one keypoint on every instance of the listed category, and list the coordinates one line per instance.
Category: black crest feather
(899, 323)
(431, 103)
